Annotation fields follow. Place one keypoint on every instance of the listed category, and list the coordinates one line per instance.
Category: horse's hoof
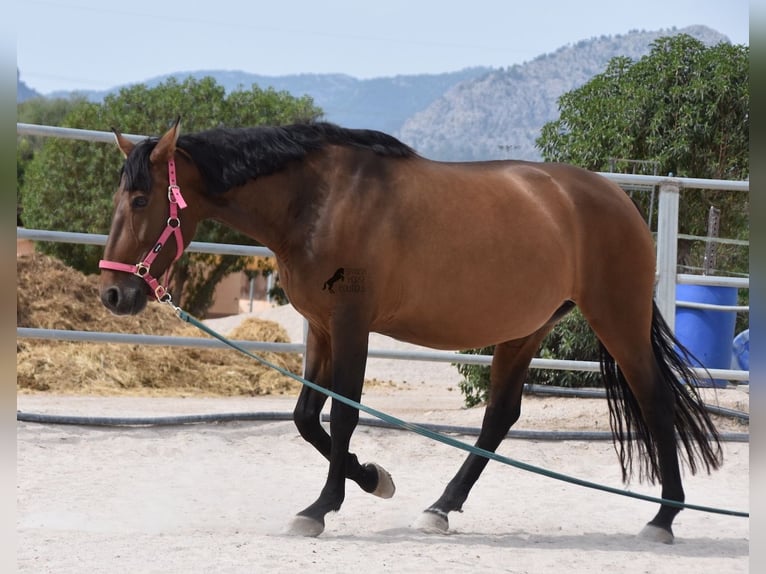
(656, 534)
(305, 526)
(432, 523)
(385, 488)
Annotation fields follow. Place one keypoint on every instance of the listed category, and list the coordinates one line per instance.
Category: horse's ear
(166, 147)
(126, 146)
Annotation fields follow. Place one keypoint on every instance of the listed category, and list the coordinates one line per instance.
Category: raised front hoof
(432, 523)
(385, 487)
(657, 534)
(305, 526)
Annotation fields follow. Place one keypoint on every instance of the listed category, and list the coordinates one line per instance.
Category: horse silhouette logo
(337, 276)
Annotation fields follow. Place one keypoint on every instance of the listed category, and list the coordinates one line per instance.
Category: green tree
(68, 186)
(47, 111)
(41, 111)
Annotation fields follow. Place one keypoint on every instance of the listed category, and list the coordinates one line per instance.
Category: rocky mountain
(472, 114)
(500, 114)
(377, 103)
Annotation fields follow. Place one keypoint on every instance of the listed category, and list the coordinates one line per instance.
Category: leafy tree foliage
(68, 185)
(41, 111)
(684, 105)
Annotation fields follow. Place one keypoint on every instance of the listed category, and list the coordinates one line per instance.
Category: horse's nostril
(111, 297)
(124, 300)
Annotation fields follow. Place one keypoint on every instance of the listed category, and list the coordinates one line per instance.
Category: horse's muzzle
(124, 299)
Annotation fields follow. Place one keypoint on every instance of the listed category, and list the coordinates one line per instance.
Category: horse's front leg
(308, 411)
(344, 366)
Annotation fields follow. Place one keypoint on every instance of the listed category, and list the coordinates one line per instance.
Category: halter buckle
(141, 269)
(174, 196)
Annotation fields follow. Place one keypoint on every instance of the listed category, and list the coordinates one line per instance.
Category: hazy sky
(100, 44)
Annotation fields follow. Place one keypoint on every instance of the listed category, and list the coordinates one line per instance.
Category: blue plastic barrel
(706, 333)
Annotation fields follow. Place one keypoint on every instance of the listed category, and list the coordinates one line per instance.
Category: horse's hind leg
(647, 402)
(508, 372)
(656, 404)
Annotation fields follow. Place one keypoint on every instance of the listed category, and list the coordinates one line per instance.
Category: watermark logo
(346, 280)
(339, 275)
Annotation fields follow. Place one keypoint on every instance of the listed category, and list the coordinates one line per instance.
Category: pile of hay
(53, 296)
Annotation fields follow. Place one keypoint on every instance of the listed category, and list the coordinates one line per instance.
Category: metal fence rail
(98, 239)
(432, 356)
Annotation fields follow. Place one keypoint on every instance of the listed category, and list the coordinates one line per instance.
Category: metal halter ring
(162, 294)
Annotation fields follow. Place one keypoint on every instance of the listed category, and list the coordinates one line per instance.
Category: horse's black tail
(694, 429)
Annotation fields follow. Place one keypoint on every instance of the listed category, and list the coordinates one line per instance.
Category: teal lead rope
(433, 435)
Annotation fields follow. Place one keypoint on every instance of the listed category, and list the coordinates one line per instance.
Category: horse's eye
(139, 201)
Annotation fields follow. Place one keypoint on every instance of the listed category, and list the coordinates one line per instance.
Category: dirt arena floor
(219, 497)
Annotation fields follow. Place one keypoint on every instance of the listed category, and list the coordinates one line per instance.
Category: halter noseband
(173, 227)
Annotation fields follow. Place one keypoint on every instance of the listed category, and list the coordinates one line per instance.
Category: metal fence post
(667, 250)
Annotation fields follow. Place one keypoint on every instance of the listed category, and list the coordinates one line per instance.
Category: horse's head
(152, 222)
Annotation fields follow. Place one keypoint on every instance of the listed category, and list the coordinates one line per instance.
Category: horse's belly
(467, 326)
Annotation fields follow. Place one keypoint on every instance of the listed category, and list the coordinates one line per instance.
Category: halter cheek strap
(172, 228)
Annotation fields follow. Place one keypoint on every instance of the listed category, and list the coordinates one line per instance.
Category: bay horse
(446, 255)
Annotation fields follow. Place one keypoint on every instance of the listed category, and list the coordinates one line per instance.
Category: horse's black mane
(228, 157)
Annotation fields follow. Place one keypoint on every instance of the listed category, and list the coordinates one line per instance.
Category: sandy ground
(218, 497)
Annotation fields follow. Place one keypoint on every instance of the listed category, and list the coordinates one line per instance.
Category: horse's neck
(275, 210)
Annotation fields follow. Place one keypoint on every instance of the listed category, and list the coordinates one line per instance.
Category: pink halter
(173, 227)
